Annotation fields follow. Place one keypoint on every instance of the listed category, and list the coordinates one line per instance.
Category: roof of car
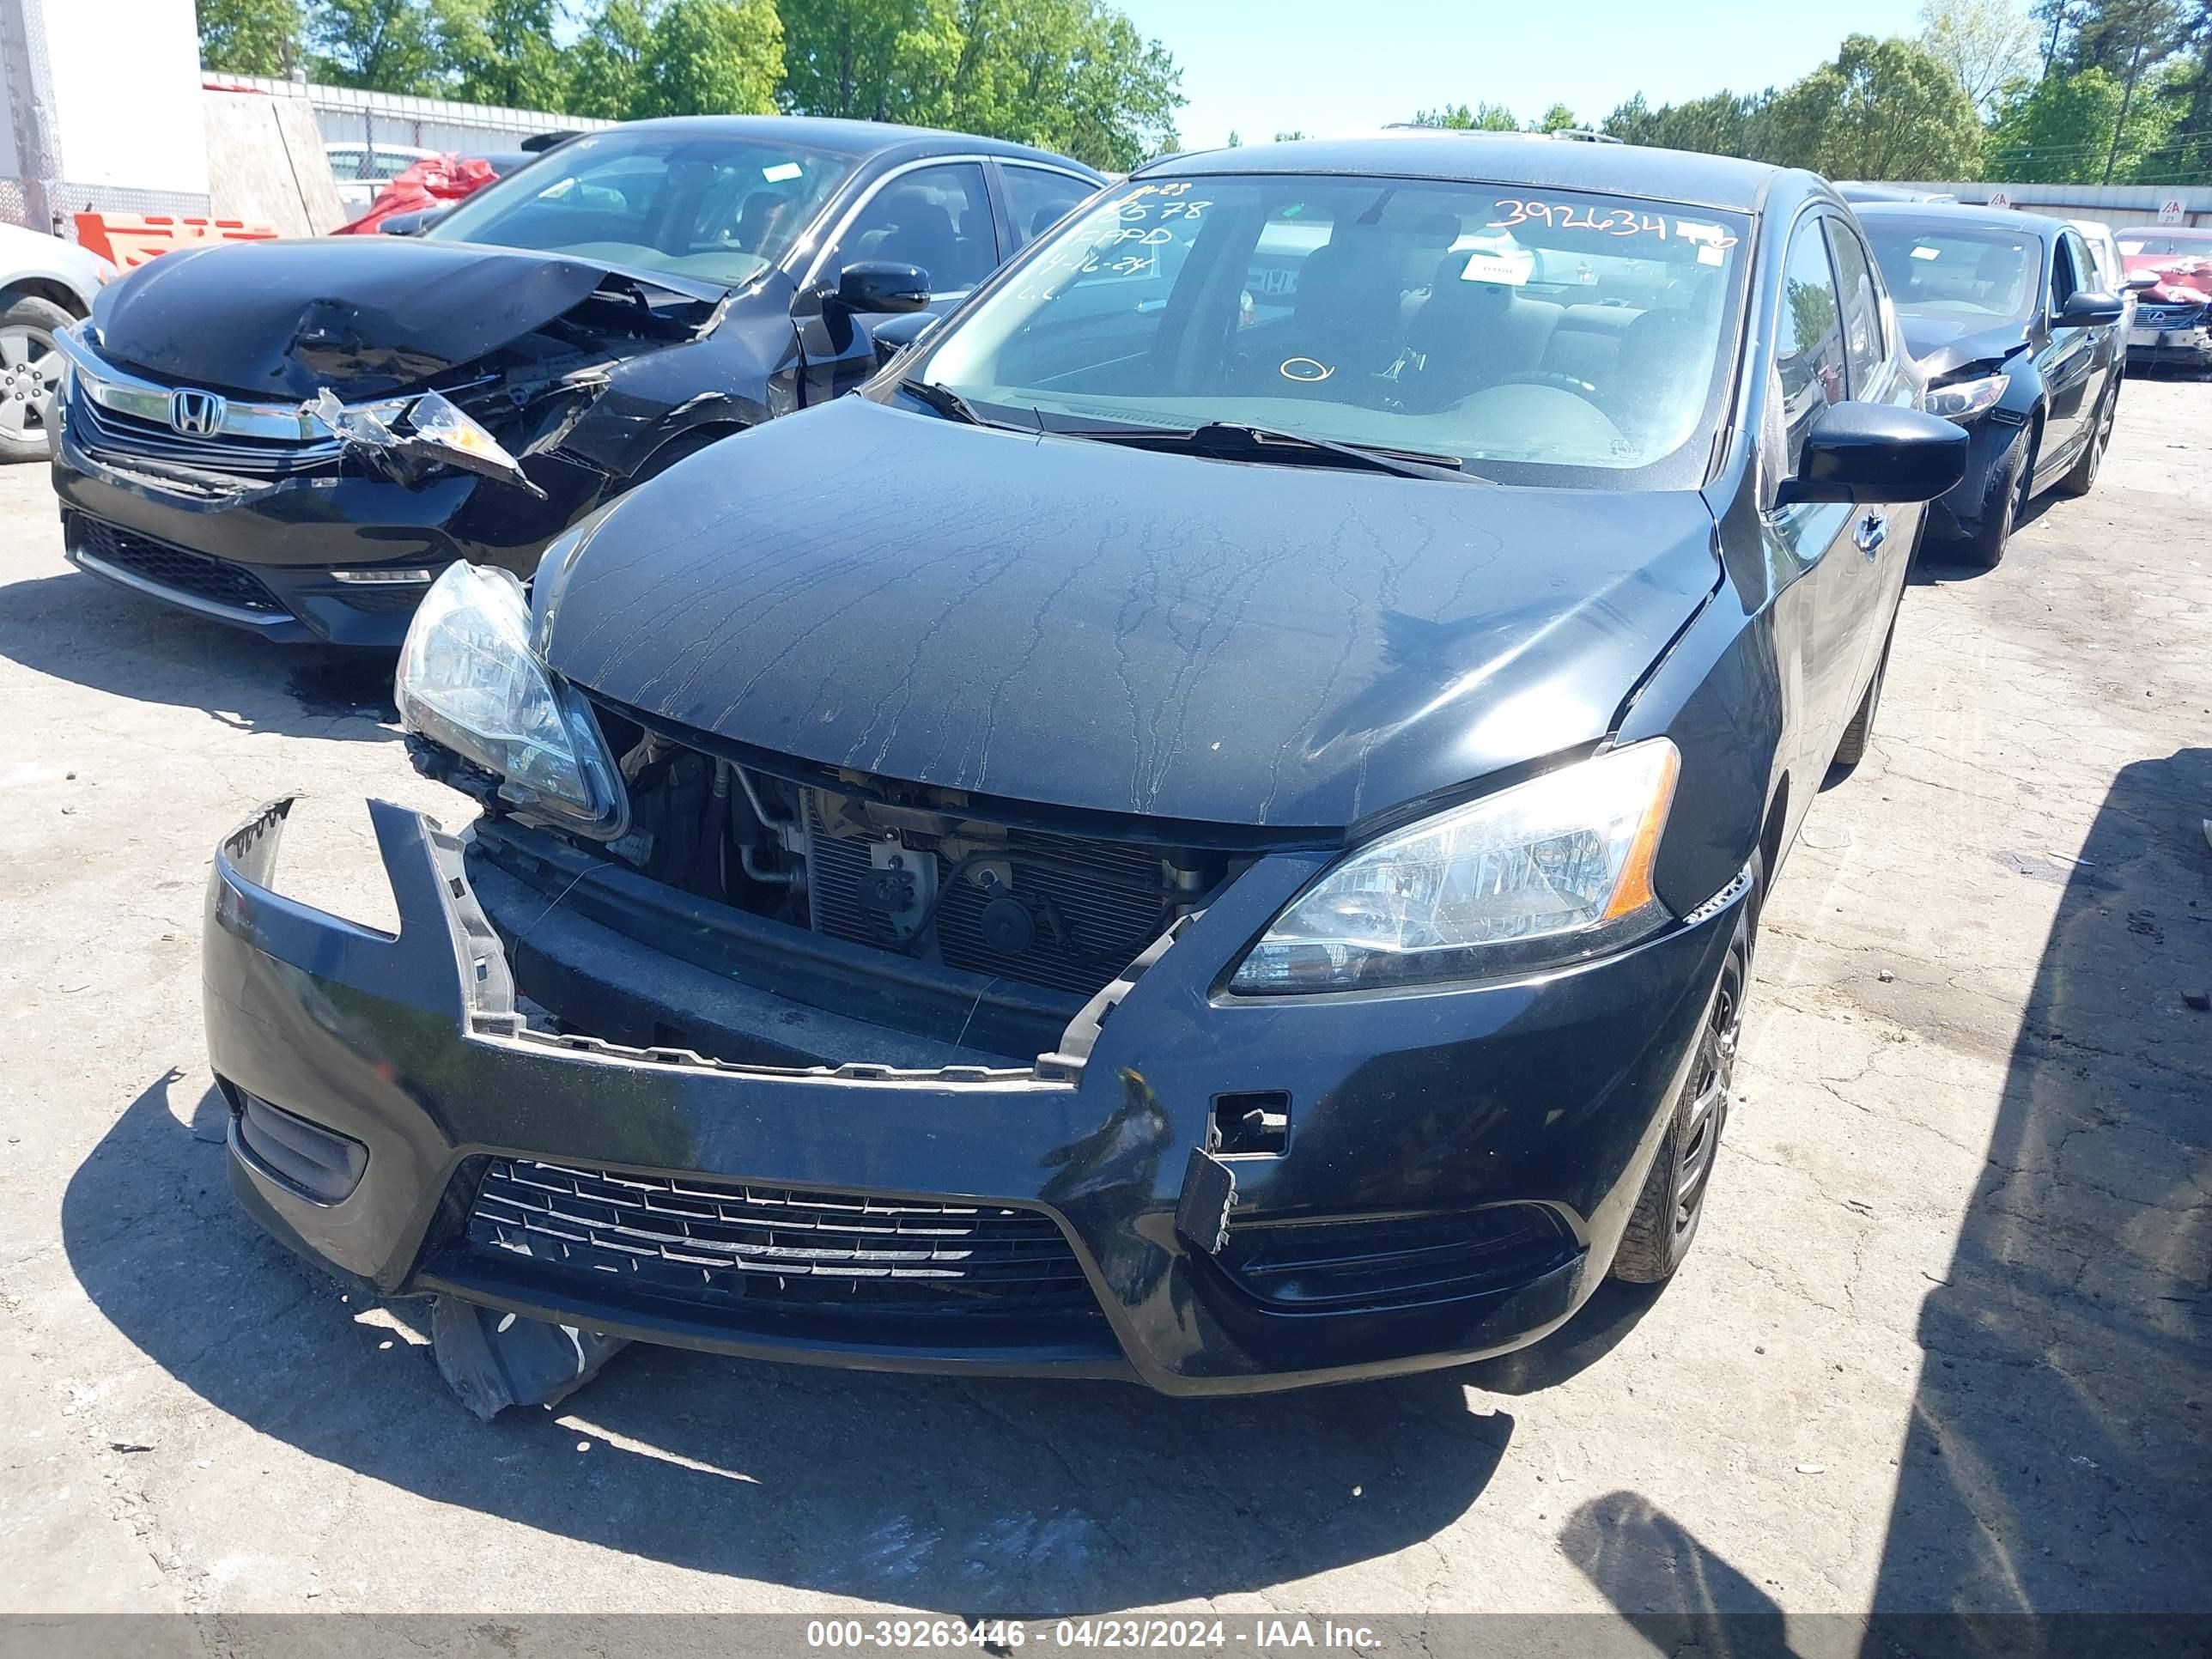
(1958, 213)
(1671, 175)
(854, 138)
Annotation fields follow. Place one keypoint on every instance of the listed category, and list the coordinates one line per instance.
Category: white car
(361, 170)
(45, 284)
(2111, 269)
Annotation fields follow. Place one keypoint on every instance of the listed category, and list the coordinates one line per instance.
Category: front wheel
(30, 369)
(1673, 1200)
(2006, 506)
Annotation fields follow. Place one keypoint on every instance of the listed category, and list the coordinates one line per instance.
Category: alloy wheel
(1715, 1063)
(30, 369)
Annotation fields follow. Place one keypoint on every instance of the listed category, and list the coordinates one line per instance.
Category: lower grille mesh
(717, 1244)
(176, 568)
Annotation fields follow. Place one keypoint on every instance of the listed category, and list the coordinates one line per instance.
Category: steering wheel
(1546, 377)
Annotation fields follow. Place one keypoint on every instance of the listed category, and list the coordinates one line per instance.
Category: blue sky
(1328, 66)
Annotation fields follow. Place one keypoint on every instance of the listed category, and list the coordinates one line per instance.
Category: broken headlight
(1544, 874)
(468, 679)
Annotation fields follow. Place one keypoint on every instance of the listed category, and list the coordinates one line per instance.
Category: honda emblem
(196, 414)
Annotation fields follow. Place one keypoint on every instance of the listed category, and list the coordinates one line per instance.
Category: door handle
(1873, 531)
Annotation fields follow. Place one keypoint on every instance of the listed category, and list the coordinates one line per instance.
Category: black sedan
(2020, 346)
(1210, 826)
(296, 438)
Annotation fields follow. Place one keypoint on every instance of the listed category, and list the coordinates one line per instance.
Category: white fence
(347, 114)
(2114, 204)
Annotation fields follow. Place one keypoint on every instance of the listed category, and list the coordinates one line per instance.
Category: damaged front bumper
(318, 523)
(1452, 1179)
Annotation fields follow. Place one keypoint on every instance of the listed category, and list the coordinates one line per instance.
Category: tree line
(2074, 92)
(1070, 75)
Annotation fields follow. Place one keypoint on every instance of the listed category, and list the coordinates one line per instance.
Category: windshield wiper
(1237, 440)
(946, 401)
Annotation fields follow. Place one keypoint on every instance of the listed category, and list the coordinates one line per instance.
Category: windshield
(1540, 337)
(716, 209)
(1960, 272)
(2167, 242)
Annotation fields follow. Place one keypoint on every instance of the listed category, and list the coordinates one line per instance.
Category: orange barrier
(130, 239)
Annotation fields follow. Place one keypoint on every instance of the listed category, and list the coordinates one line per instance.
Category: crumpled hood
(1945, 343)
(1071, 624)
(366, 316)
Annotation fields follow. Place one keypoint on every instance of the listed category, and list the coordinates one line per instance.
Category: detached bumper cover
(1526, 1111)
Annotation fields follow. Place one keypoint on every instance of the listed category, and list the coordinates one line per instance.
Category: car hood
(366, 316)
(1945, 343)
(1055, 620)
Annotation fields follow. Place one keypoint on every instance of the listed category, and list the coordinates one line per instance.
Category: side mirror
(2141, 281)
(895, 334)
(409, 224)
(1874, 453)
(876, 286)
(2088, 307)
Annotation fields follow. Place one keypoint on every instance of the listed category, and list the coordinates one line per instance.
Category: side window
(1036, 200)
(2063, 279)
(1808, 351)
(937, 217)
(1862, 337)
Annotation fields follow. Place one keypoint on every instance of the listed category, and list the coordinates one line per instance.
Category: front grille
(2168, 316)
(720, 1245)
(174, 568)
(108, 434)
(1396, 1260)
(1093, 905)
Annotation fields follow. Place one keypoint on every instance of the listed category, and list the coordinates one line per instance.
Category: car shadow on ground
(959, 1496)
(77, 628)
(2055, 1460)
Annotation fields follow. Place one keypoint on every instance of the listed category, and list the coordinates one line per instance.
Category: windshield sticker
(1709, 256)
(1924, 252)
(1620, 221)
(781, 171)
(1497, 268)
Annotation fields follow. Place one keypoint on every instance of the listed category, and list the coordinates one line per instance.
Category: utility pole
(2127, 98)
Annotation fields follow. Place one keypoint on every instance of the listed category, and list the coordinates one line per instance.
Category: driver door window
(936, 217)
(1809, 351)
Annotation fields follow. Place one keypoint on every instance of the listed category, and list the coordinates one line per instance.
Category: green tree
(1987, 45)
(501, 51)
(387, 45)
(713, 57)
(2063, 129)
(608, 63)
(1719, 123)
(1883, 109)
(875, 60)
(1292, 137)
(1557, 119)
(1459, 118)
(250, 37)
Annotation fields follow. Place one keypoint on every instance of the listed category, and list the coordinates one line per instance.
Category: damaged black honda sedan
(1209, 827)
(295, 438)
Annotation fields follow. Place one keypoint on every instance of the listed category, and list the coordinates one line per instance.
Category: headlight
(1548, 872)
(1961, 400)
(468, 679)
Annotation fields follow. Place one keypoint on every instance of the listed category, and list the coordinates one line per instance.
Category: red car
(2172, 324)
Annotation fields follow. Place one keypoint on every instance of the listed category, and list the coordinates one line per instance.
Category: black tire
(2082, 477)
(1672, 1202)
(2007, 506)
(30, 365)
(1852, 750)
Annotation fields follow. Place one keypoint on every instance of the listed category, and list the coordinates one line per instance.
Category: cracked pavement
(1942, 1344)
